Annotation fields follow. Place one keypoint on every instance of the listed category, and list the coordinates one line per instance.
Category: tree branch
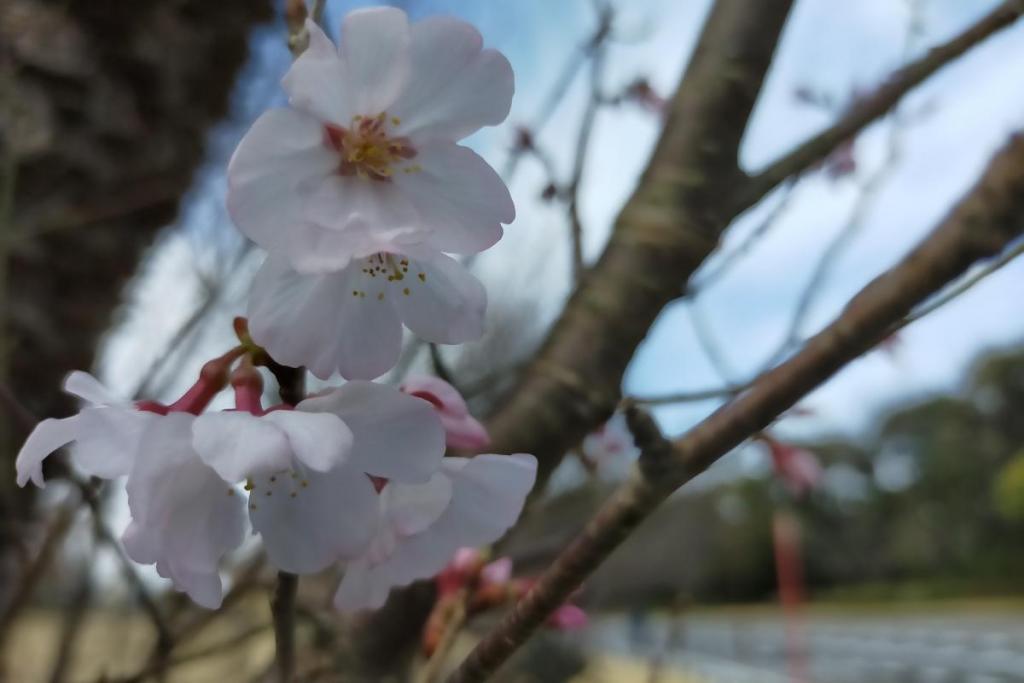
(878, 104)
(982, 224)
(663, 234)
(282, 607)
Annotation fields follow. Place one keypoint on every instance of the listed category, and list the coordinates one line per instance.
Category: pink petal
(568, 618)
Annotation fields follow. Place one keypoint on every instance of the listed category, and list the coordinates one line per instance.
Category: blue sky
(960, 117)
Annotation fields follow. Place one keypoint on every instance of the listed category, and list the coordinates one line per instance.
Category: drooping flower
(461, 429)
(308, 470)
(366, 153)
(104, 435)
(469, 502)
(185, 517)
(351, 321)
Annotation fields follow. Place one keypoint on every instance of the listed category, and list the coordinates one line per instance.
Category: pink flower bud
(568, 618)
(462, 430)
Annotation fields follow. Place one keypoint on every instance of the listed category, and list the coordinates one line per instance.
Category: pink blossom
(462, 430)
(469, 502)
(568, 617)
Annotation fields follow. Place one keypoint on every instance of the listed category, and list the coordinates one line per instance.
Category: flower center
(383, 272)
(369, 149)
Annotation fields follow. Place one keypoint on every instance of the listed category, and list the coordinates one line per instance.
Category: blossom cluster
(359, 192)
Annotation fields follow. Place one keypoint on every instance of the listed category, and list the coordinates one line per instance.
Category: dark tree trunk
(104, 109)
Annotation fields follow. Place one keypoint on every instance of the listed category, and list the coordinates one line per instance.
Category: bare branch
(960, 288)
(663, 234)
(878, 104)
(982, 224)
(283, 609)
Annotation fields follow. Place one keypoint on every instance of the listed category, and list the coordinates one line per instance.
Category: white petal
(88, 388)
(412, 508)
(318, 81)
(353, 203)
(49, 435)
(454, 88)
(183, 517)
(447, 305)
(319, 250)
(109, 439)
(488, 495)
(396, 436)
(320, 441)
(238, 445)
(317, 321)
(316, 519)
(362, 587)
(204, 587)
(375, 45)
(458, 196)
(270, 174)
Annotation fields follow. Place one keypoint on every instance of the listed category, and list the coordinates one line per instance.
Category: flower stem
(282, 607)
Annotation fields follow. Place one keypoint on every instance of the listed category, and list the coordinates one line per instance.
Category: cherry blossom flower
(308, 471)
(185, 517)
(350, 321)
(469, 502)
(104, 435)
(367, 151)
(461, 429)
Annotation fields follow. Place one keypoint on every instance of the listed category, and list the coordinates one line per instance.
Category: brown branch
(583, 140)
(981, 225)
(282, 607)
(663, 234)
(690, 396)
(878, 104)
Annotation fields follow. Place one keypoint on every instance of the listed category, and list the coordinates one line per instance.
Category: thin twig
(282, 607)
(164, 640)
(708, 344)
(869, 192)
(72, 622)
(877, 104)
(583, 140)
(729, 259)
(456, 619)
(692, 396)
(558, 91)
(215, 648)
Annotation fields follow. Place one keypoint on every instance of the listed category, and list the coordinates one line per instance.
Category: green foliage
(1009, 490)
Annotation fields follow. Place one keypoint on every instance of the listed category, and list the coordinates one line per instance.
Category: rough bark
(104, 109)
